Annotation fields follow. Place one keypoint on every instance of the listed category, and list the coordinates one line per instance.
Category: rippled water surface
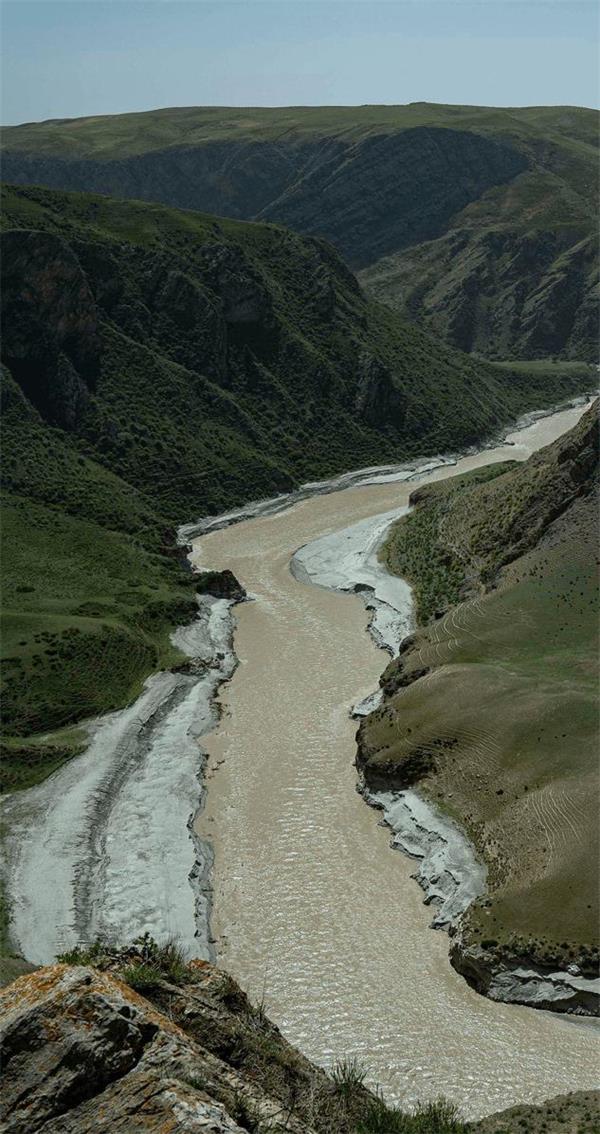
(312, 907)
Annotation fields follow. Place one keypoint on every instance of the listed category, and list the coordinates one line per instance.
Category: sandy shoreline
(106, 846)
(449, 871)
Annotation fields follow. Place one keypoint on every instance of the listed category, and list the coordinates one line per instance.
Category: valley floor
(344, 957)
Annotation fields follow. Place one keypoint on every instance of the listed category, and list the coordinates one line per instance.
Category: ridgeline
(477, 223)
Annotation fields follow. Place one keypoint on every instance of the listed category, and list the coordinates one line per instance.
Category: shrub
(169, 960)
(348, 1076)
(439, 1117)
(84, 954)
(142, 977)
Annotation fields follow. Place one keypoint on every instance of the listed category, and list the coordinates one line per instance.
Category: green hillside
(127, 135)
(492, 706)
(161, 365)
(478, 223)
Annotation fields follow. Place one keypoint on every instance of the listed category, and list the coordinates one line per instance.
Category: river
(312, 909)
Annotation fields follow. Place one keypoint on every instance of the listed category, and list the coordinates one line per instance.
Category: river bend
(311, 907)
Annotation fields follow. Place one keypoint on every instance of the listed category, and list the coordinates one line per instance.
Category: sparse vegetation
(348, 1075)
(505, 738)
(143, 964)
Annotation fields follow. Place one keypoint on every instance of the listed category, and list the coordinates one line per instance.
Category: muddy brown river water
(312, 909)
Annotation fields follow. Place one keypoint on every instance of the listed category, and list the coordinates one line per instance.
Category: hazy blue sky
(81, 57)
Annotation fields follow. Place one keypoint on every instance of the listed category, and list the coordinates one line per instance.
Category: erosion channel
(311, 907)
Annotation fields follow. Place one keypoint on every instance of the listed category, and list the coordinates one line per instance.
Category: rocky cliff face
(500, 294)
(83, 1052)
(236, 179)
(395, 190)
(369, 197)
(51, 342)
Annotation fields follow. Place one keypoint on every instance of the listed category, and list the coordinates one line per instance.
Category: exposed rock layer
(83, 1053)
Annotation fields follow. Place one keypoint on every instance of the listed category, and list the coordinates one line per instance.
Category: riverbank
(282, 814)
(493, 733)
(311, 910)
(128, 806)
(449, 872)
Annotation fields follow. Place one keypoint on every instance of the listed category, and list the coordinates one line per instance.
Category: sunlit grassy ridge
(122, 135)
(502, 729)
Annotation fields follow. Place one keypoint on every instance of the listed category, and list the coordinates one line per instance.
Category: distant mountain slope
(478, 223)
(492, 706)
(161, 365)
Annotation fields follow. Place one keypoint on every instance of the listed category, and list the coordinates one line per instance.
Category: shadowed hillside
(477, 223)
(159, 366)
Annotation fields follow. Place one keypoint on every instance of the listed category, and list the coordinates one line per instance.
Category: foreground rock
(84, 1052)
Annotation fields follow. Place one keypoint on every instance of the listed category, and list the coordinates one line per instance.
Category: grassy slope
(123, 135)
(502, 730)
(88, 599)
(495, 282)
(575, 1113)
(190, 413)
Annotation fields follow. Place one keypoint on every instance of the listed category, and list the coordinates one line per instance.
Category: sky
(72, 58)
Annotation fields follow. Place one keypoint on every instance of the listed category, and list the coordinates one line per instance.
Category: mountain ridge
(415, 197)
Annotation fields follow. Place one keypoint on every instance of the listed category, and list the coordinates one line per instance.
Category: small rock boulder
(220, 584)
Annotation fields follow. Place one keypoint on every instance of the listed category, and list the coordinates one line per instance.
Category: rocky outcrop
(243, 296)
(521, 980)
(378, 400)
(50, 324)
(220, 584)
(501, 293)
(448, 870)
(82, 1053)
